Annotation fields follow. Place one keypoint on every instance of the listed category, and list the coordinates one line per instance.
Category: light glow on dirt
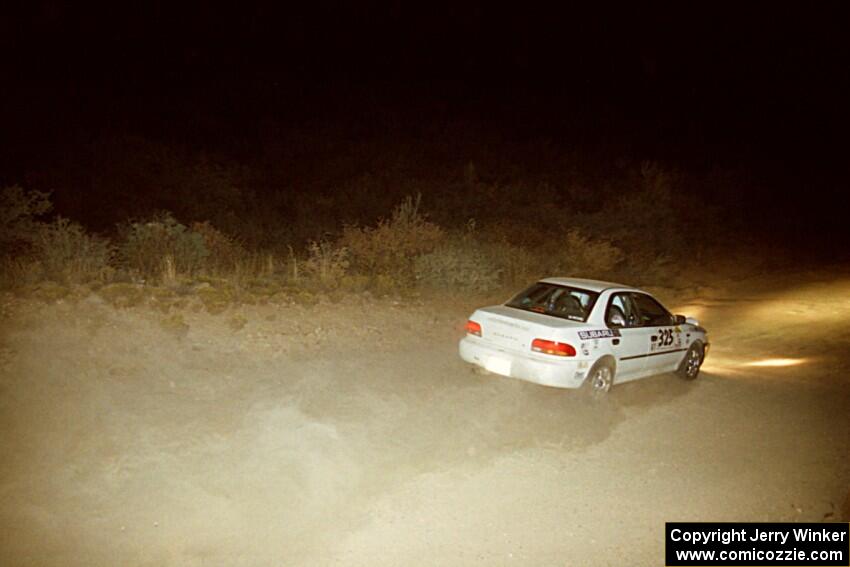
(820, 302)
(777, 362)
(690, 310)
(727, 366)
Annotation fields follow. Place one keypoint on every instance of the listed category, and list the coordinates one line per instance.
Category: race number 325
(665, 337)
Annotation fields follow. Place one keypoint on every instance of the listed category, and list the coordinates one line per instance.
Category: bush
(68, 254)
(18, 271)
(18, 209)
(225, 252)
(589, 257)
(326, 264)
(162, 247)
(458, 265)
(390, 248)
(518, 265)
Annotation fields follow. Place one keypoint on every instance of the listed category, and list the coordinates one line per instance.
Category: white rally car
(569, 332)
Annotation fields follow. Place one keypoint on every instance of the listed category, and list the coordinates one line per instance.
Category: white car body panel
(504, 346)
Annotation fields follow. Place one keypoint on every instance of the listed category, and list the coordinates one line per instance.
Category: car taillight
(473, 328)
(552, 347)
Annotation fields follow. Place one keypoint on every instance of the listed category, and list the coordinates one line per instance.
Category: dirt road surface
(352, 434)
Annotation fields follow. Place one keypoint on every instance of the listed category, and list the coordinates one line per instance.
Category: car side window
(651, 313)
(621, 312)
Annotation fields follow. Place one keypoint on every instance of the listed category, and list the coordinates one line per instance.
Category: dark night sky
(762, 87)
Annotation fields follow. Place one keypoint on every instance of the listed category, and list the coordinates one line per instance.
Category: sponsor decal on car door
(666, 341)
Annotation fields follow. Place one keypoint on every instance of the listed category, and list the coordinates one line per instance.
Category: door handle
(616, 341)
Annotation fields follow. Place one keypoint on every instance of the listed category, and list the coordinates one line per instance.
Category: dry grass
(161, 248)
(326, 264)
(18, 272)
(69, 254)
(225, 253)
(634, 237)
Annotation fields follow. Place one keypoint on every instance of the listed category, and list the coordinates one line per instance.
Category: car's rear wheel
(689, 368)
(599, 380)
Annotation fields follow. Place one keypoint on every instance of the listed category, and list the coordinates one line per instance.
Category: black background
(760, 89)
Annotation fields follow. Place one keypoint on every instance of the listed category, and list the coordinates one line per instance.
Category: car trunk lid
(514, 329)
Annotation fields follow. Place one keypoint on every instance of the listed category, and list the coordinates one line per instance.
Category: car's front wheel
(599, 380)
(689, 368)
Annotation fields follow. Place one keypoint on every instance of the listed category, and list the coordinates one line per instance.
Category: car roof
(590, 285)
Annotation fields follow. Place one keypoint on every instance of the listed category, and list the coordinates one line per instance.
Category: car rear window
(556, 300)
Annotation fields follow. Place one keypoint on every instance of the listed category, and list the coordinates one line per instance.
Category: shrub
(162, 245)
(458, 265)
(390, 248)
(68, 254)
(518, 265)
(18, 271)
(225, 252)
(585, 256)
(326, 263)
(18, 209)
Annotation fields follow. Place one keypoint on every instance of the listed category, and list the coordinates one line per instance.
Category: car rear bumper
(558, 373)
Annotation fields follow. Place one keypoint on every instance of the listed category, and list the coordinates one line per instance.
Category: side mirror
(680, 319)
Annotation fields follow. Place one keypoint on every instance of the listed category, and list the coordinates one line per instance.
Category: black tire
(599, 380)
(689, 368)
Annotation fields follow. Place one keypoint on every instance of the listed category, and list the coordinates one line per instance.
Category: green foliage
(18, 212)
(68, 254)
(391, 247)
(161, 246)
